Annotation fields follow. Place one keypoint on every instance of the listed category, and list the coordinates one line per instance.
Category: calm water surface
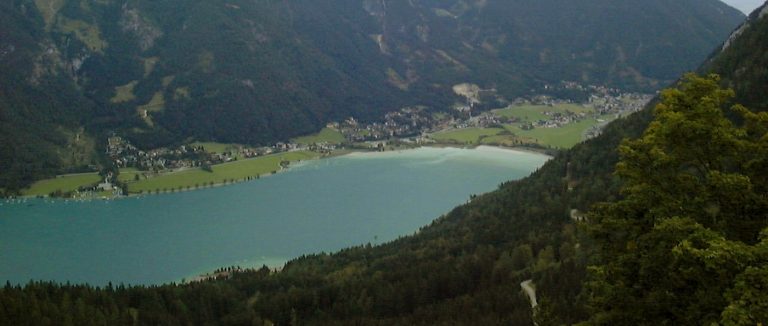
(315, 206)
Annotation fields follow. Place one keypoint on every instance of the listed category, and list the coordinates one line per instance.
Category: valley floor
(189, 179)
(542, 128)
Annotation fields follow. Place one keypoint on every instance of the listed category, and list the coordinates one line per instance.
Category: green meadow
(221, 173)
(184, 179)
(124, 93)
(85, 32)
(533, 113)
(469, 136)
(63, 183)
(564, 137)
(212, 147)
(328, 135)
(128, 174)
(155, 104)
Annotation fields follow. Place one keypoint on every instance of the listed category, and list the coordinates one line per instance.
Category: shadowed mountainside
(256, 72)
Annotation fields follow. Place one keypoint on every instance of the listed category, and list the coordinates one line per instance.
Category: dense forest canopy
(687, 243)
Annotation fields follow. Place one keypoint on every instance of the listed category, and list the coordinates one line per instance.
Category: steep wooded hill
(743, 61)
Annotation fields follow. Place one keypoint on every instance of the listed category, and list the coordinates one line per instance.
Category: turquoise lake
(315, 206)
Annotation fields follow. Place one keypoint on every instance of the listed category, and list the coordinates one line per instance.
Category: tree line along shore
(545, 126)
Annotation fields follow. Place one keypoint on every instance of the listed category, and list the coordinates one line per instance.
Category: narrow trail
(530, 291)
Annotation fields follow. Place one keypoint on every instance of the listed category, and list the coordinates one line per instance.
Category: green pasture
(328, 135)
(502, 140)
(49, 9)
(466, 135)
(212, 147)
(128, 174)
(63, 183)
(533, 113)
(222, 173)
(155, 104)
(124, 93)
(87, 33)
(149, 65)
(564, 137)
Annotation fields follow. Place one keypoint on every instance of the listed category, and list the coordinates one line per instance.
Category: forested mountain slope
(261, 71)
(688, 242)
(743, 61)
(465, 268)
(41, 109)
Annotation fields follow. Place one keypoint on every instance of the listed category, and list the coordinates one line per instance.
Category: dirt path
(530, 291)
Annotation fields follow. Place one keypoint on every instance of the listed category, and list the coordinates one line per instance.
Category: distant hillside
(162, 72)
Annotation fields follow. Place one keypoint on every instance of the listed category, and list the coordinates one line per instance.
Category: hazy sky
(747, 6)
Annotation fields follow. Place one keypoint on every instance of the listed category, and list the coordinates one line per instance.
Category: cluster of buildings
(489, 120)
(619, 104)
(124, 154)
(404, 123)
(559, 119)
(603, 101)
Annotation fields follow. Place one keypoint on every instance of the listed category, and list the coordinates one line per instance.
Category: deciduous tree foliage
(684, 244)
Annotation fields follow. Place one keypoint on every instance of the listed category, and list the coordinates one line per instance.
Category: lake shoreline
(333, 154)
(317, 207)
(346, 152)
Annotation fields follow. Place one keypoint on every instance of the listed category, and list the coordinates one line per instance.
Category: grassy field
(211, 147)
(149, 65)
(328, 135)
(87, 33)
(49, 9)
(468, 136)
(533, 113)
(563, 137)
(180, 93)
(124, 93)
(227, 172)
(155, 104)
(128, 174)
(64, 183)
(167, 80)
(505, 140)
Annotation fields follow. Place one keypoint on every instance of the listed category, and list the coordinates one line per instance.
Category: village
(401, 124)
(409, 125)
(540, 122)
